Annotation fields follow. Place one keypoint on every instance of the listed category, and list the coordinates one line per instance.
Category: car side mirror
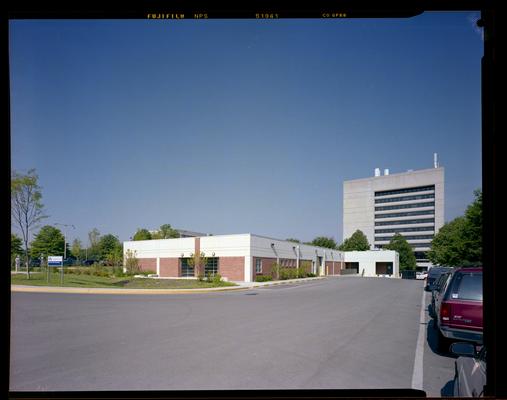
(463, 349)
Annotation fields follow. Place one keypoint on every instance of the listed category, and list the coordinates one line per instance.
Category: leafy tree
(357, 242)
(94, 238)
(293, 240)
(131, 262)
(76, 248)
(459, 242)
(107, 244)
(115, 256)
(26, 206)
(198, 261)
(323, 241)
(166, 232)
(407, 257)
(49, 241)
(142, 234)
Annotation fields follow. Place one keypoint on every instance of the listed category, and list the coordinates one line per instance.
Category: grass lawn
(72, 280)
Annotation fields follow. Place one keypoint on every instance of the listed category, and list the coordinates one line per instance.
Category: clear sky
(236, 126)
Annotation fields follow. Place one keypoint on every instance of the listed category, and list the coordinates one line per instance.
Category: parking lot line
(417, 375)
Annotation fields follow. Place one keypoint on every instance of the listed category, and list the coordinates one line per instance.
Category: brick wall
(169, 267)
(232, 268)
(267, 264)
(148, 264)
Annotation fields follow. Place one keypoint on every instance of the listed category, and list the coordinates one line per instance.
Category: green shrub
(217, 279)
(311, 275)
(263, 278)
(200, 277)
(288, 273)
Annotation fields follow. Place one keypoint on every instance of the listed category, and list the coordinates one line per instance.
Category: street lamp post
(64, 247)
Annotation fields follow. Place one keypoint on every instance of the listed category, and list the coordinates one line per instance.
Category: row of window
(406, 198)
(211, 267)
(400, 206)
(379, 238)
(407, 190)
(405, 214)
(406, 222)
(395, 230)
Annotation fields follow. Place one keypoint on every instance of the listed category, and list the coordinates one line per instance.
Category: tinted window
(467, 286)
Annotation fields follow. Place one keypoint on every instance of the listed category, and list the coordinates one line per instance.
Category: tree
(107, 244)
(131, 262)
(166, 232)
(115, 256)
(26, 206)
(407, 258)
(357, 242)
(16, 247)
(49, 241)
(323, 241)
(459, 242)
(198, 261)
(293, 240)
(94, 237)
(142, 234)
(76, 248)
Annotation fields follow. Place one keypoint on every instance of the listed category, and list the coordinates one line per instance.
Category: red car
(459, 309)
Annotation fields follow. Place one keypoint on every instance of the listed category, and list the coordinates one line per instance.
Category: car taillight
(445, 311)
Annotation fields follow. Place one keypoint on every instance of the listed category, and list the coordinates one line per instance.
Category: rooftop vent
(377, 171)
(386, 171)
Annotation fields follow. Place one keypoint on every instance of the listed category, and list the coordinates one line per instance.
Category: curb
(56, 289)
(53, 289)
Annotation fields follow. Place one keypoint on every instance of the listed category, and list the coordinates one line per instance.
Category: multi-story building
(409, 203)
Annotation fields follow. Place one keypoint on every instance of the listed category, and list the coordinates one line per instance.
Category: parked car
(437, 291)
(469, 370)
(458, 309)
(421, 275)
(433, 274)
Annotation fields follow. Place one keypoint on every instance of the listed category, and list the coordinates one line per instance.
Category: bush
(311, 275)
(200, 277)
(217, 279)
(263, 278)
(288, 273)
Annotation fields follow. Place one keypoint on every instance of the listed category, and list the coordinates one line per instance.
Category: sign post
(56, 261)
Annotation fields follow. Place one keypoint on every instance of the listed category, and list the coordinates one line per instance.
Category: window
(186, 269)
(404, 214)
(405, 198)
(211, 266)
(417, 229)
(408, 190)
(467, 286)
(406, 237)
(407, 222)
(258, 266)
(415, 205)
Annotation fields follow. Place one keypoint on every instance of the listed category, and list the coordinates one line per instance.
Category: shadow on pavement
(432, 338)
(448, 389)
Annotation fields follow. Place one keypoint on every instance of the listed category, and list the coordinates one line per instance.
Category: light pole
(64, 247)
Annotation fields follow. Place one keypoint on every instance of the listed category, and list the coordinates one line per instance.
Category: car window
(467, 286)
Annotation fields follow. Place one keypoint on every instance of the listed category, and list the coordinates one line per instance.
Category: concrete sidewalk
(241, 286)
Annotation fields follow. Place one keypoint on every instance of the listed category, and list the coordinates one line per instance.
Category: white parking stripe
(417, 376)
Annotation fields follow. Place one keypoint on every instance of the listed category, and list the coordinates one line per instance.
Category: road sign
(55, 261)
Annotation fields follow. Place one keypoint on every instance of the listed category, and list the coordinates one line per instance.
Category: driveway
(334, 333)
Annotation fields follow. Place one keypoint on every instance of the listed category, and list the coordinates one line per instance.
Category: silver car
(470, 370)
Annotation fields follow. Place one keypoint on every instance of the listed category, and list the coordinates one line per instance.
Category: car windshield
(467, 286)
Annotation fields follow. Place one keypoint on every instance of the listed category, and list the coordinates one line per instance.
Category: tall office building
(411, 203)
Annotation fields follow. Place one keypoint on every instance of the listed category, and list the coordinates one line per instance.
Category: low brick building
(239, 257)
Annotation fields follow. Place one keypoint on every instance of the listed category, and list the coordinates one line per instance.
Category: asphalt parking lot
(337, 333)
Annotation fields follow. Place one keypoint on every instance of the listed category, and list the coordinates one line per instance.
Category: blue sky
(235, 126)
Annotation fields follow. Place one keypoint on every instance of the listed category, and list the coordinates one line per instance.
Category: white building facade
(240, 257)
(410, 203)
